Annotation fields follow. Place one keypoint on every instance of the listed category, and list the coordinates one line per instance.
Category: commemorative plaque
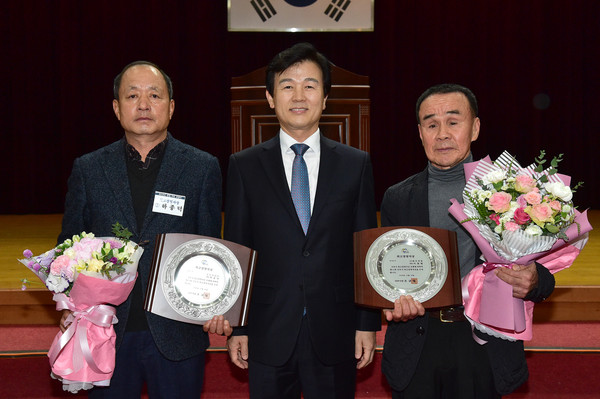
(194, 278)
(417, 261)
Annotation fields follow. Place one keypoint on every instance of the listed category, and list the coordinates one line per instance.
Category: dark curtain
(532, 64)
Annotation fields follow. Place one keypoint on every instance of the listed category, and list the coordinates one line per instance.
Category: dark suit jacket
(406, 204)
(294, 270)
(99, 196)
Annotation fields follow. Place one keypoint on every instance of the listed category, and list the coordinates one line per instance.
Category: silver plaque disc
(202, 279)
(406, 262)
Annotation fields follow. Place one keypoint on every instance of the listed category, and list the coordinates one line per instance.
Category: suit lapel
(171, 167)
(327, 166)
(115, 169)
(273, 168)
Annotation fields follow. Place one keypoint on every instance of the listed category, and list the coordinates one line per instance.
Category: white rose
(498, 229)
(559, 190)
(566, 208)
(533, 230)
(494, 177)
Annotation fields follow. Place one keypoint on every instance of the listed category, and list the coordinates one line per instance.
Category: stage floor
(39, 232)
(576, 297)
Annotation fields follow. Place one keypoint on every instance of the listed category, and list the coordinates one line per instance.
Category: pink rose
(495, 218)
(511, 226)
(520, 216)
(521, 201)
(524, 183)
(555, 205)
(540, 213)
(533, 197)
(499, 202)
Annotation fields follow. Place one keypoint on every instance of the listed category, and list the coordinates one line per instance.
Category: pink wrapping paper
(508, 316)
(488, 301)
(85, 352)
(558, 258)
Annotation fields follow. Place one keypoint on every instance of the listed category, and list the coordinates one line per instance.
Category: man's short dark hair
(446, 88)
(117, 81)
(298, 53)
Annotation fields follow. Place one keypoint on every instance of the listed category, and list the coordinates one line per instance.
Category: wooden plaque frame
(365, 295)
(156, 301)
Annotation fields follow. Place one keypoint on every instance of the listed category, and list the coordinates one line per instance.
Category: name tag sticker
(170, 204)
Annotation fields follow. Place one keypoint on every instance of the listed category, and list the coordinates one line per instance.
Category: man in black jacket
(305, 336)
(432, 354)
(126, 182)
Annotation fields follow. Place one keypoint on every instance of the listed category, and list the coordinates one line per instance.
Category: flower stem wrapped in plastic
(516, 216)
(87, 275)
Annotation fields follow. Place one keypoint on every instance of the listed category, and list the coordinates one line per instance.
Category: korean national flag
(300, 15)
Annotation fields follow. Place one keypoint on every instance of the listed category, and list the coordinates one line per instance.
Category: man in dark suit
(304, 333)
(432, 354)
(127, 182)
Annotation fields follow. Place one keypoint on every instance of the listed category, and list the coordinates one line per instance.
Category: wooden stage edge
(581, 303)
(575, 298)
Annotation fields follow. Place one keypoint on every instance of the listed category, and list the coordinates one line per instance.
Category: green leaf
(579, 184)
(121, 232)
(562, 236)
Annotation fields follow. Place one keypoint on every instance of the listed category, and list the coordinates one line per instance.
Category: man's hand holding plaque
(405, 309)
(406, 269)
(218, 325)
(201, 280)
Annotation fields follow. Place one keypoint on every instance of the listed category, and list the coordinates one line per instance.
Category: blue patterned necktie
(300, 190)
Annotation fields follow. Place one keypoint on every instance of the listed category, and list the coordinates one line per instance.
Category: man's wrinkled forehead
(133, 75)
(450, 112)
(304, 64)
(457, 109)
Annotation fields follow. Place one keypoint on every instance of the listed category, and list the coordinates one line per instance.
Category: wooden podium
(394, 261)
(346, 118)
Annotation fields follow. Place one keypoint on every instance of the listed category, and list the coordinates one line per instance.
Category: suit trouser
(452, 365)
(138, 361)
(303, 372)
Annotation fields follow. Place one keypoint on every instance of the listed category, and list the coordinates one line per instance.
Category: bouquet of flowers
(515, 215)
(86, 274)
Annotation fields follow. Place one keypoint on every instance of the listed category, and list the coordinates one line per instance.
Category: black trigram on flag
(263, 8)
(336, 9)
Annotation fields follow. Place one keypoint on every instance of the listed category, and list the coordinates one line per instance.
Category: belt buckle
(442, 319)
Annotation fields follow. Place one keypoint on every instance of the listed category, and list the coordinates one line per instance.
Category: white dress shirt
(312, 157)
